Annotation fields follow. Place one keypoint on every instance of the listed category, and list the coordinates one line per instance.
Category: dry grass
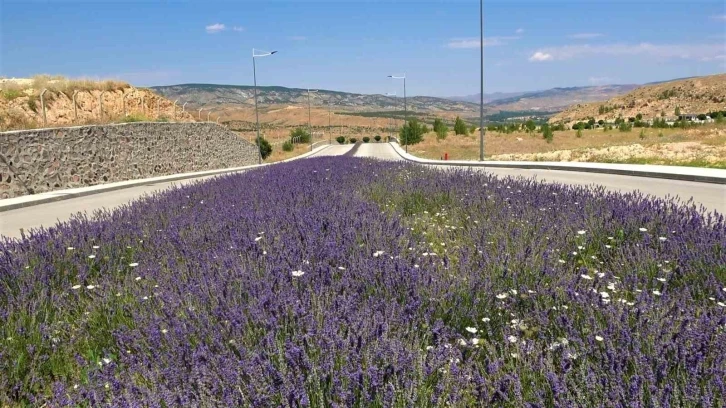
(467, 147)
(57, 83)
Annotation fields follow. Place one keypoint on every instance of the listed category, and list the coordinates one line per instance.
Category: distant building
(693, 117)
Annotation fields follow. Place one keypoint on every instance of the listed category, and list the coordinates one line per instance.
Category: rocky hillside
(210, 95)
(692, 95)
(20, 104)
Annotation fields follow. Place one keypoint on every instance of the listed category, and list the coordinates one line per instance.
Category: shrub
(642, 134)
(288, 146)
(624, 127)
(579, 132)
(460, 127)
(377, 138)
(353, 140)
(366, 139)
(11, 94)
(547, 133)
(299, 135)
(340, 139)
(134, 118)
(265, 147)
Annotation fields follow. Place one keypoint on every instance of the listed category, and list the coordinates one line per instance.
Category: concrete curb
(695, 174)
(52, 196)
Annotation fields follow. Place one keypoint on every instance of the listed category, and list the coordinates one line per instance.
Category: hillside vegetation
(21, 108)
(688, 96)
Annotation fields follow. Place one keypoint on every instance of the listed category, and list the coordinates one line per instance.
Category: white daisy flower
(662, 239)
(96, 247)
(485, 319)
(598, 338)
(608, 246)
(90, 287)
(71, 248)
(641, 229)
(514, 355)
(512, 339)
(298, 274)
(588, 277)
(462, 342)
(76, 287)
(561, 261)
(138, 278)
(107, 360)
(604, 295)
(661, 279)
(475, 341)
(656, 292)
(164, 331)
(502, 296)
(342, 268)
(471, 330)
(581, 232)
(258, 238)
(133, 264)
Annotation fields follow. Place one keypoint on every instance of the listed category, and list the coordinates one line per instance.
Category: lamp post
(200, 114)
(257, 115)
(208, 113)
(310, 123)
(330, 135)
(184, 107)
(405, 106)
(390, 122)
(481, 90)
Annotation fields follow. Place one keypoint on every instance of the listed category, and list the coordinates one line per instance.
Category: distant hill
(487, 97)
(692, 95)
(210, 94)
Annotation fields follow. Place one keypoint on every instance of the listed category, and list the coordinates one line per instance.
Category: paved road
(712, 196)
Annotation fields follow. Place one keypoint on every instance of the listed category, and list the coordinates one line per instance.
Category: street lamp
(330, 134)
(310, 123)
(390, 122)
(405, 106)
(257, 115)
(200, 114)
(481, 90)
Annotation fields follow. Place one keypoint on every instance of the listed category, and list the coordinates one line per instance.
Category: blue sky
(352, 45)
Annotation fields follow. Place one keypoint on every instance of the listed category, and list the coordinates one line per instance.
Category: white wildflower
(581, 232)
(475, 341)
(661, 279)
(604, 295)
(512, 339)
(96, 247)
(574, 252)
(71, 248)
(164, 331)
(722, 304)
(656, 292)
(462, 342)
(485, 319)
(641, 229)
(107, 360)
(258, 238)
(138, 278)
(502, 296)
(598, 338)
(298, 274)
(76, 287)
(471, 330)
(662, 239)
(342, 268)
(133, 264)
(429, 347)
(90, 287)
(377, 254)
(91, 256)
(514, 355)
(608, 246)
(561, 261)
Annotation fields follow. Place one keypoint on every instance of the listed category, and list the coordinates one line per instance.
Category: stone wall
(41, 160)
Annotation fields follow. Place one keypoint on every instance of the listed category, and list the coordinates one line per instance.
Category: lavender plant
(349, 282)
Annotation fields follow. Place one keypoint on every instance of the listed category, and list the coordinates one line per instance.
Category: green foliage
(162, 119)
(134, 118)
(668, 93)
(625, 127)
(719, 117)
(642, 134)
(441, 129)
(460, 127)
(340, 139)
(603, 109)
(353, 140)
(11, 94)
(579, 132)
(530, 126)
(412, 133)
(678, 111)
(366, 139)
(299, 135)
(287, 146)
(377, 138)
(472, 129)
(547, 133)
(265, 147)
(639, 117)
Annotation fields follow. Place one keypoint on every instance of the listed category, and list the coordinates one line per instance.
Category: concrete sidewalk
(697, 174)
(51, 196)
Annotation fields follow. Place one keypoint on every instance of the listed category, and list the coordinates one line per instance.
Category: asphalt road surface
(711, 196)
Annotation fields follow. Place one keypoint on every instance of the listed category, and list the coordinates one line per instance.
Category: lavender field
(348, 282)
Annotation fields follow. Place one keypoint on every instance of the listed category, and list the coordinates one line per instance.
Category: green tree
(530, 126)
(441, 131)
(719, 117)
(411, 133)
(639, 117)
(547, 133)
(460, 127)
(678, 111)
(579, 132)
(265, 147)
(438, 123)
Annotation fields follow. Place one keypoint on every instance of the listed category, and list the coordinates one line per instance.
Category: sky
(353, 45)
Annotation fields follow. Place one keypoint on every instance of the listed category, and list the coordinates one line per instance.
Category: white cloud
(474, 42)
(540, 56)
(215, 28)
(719, 17)
(298, 38)
(238, 29)
(585, 36)
(520, 31)
(664, 51)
